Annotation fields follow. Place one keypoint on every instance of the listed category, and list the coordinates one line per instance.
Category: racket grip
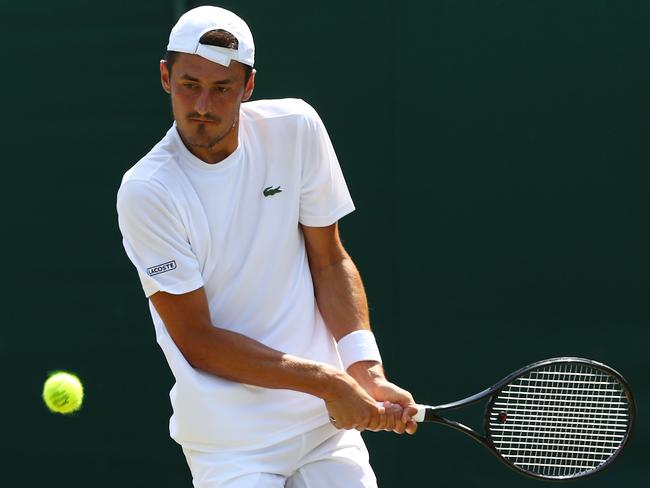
(419, 416)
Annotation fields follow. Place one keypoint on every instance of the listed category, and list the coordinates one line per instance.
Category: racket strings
(560, 420)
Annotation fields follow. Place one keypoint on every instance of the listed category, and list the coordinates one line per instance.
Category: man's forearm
(343, 304)
(341, 296)
(239, 358)
(236, 357)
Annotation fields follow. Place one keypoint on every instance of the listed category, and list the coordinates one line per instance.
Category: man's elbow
(194, 348)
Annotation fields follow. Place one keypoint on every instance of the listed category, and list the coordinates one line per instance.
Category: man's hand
(351, 407)
(399, 403)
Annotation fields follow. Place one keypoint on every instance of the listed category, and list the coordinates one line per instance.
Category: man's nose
(202, 102)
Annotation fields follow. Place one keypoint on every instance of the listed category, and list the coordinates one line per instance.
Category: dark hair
(220, 38)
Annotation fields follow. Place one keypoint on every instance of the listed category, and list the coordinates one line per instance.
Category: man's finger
(393, 414)
(408, 413)
(400, 427)
(411, 427)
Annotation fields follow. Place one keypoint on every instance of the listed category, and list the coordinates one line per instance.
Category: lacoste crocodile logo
(270, 191)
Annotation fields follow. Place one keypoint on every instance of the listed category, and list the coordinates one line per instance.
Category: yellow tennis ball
(63, 392)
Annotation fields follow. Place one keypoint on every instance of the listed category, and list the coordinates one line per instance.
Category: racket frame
(432, 414)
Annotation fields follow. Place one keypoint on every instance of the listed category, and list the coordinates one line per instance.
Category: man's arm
(239, 358)
(343, 304)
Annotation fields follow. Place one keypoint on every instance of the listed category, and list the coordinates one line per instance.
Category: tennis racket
(557, 419)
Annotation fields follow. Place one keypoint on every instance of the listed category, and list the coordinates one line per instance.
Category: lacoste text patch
(161, 268)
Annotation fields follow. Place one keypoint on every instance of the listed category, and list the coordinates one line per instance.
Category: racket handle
(419, 416)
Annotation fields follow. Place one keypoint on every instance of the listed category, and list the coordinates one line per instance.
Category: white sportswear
(232, 227)
(322, 458)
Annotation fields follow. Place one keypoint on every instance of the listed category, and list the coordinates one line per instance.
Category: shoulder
(283, 108)
(153, 171)
(151, 178)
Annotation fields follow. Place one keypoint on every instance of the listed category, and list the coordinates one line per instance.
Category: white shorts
(322, 458)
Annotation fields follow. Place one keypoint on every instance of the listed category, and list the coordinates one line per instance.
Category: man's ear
(165, 76)
(250, 86)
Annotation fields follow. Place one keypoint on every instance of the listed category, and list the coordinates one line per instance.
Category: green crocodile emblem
(270, 191)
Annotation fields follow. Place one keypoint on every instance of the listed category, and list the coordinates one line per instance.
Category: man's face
(205, 98)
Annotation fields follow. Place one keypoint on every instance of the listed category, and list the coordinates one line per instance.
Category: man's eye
(222, 89)
(191, 86)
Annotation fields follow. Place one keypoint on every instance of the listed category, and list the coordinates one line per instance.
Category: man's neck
(212, 155)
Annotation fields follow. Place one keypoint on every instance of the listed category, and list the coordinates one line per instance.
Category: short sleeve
(324, 196)
(155, 240)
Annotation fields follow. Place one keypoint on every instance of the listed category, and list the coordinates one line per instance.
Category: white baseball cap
(185, 35)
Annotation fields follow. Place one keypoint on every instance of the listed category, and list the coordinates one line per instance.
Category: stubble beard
(201, 139)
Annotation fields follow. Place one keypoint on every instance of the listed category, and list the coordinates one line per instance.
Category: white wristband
(359, 345)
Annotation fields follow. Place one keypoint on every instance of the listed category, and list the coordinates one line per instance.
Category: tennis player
(231, 223)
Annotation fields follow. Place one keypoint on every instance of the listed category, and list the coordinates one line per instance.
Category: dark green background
(497, 152)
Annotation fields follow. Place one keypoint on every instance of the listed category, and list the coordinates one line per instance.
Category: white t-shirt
(232, 228)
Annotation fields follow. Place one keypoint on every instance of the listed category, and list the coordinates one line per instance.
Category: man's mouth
(203, 121)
